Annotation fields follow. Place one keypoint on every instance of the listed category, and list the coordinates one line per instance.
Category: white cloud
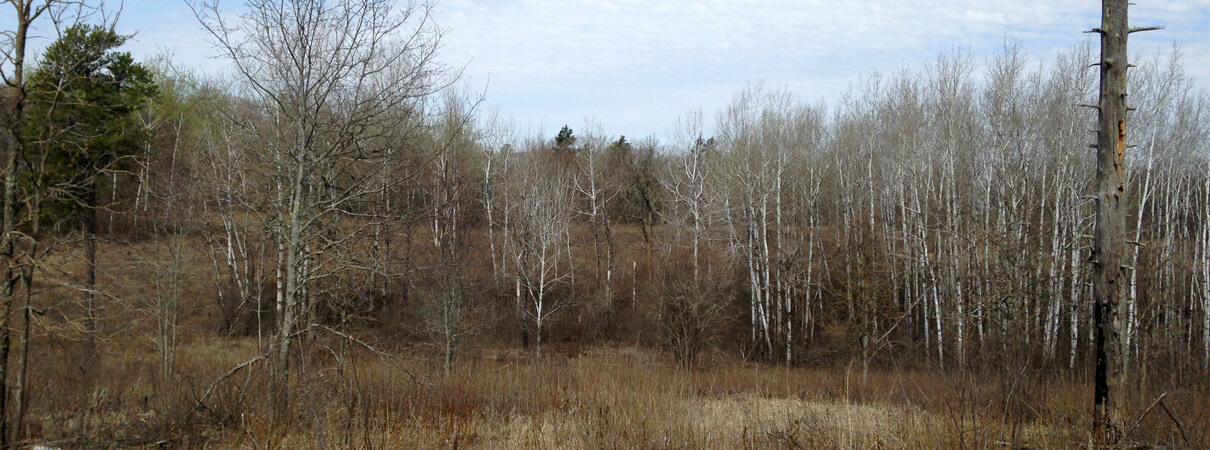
(622, 61)
(636, 65)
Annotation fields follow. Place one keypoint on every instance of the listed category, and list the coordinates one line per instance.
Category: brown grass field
(598, 394)
(601, 397)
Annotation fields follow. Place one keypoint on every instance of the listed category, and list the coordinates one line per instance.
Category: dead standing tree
(1109, 278)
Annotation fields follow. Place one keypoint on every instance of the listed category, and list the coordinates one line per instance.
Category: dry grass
(607, 397)
(598, 396)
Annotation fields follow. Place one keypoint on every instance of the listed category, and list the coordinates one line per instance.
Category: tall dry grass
(584, 393)
(603, 397)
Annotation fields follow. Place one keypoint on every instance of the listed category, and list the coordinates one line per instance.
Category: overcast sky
(634, 66)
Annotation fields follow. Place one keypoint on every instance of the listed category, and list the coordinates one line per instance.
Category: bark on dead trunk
(1109, 280)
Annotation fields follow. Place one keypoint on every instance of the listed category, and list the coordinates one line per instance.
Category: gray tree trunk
(1108, 274)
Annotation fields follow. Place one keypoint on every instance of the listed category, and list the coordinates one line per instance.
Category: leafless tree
(595, 191)
(541, 210)
(455, 140)
(338, 84)
(770, 176)
(690, 172)
(13, 68)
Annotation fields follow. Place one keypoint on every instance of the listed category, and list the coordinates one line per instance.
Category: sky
(632, 67)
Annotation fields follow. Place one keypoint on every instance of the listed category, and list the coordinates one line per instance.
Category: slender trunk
(19, 392)
(1206, 274)
(697, 238)
(539, 300)
(956, 275)
(10, 183)
(1055, 284)
(609, 255)
(570, 261)
(755, 297)
(986, 271)
(113, 199)
(769, 304)
(90, 267)
(1076, 287)
(16, 112)
(292, 293)
(1132, 299)
(812, 225)
(8, 251)
(491, 223)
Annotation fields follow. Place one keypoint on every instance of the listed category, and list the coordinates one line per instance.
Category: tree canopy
(84, 100)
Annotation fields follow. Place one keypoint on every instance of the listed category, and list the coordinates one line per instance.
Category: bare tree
(690, 172)
(691, 315)
(595, 192)
(168, 210)
(770, 168)
(496, 151)
(13, 68)
(541, 210)
(337, 82)
(455, 139)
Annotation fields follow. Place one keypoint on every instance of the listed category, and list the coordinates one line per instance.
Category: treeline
(942, 214)
(342, 183)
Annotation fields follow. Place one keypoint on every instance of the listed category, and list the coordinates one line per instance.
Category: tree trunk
(16, 113)
(20, 405)
(1205, 247)
(294, 285)
(10, 185)
(90, 267)
(1109, 279)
